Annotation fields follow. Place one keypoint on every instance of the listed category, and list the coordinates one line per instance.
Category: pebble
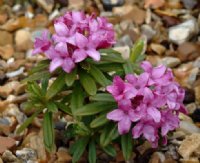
(7, 125)
(8, 157)
(188, 51)
(154, 3)
(183, 32)
(124, 50)
(15, 73)
(188, 127)
(170, 61)
(148, 31)
(47, 5)
(6, 143)
(125, 41)
(158, 49)
(6, 38)
(8, 88)
(6, 51)
(63, 155)
(191, 108)
(197, 93)
(23, 40)
(189, 4)
(27, 154)
(189, 145)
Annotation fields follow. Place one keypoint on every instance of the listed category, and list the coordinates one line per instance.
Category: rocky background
(171, 30)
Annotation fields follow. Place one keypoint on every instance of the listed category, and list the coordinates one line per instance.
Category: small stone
(183, 32)
(15, 73)
(159, 49)
(189, 145)
(189, 4)
(75, 4)
(148, 31)
(133, 13)
(189, 96)
(154, 3)
(26, 154)
(170, 61)
(6, 51)
(47, 5)
(188, 51)
(6, 38)
(109, 4)
(6, 143)
(8, 88)
(1, 161)
(197, 93)
(36, 143)
(63, 155)
(125, 41)
(7, 125)
(144, 147)
(124, 50)
(189, 127)
(8, 157)
(190, 160)
(157, 157)
(23, 40)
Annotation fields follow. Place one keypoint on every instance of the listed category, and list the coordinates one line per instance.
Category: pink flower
(149, 102)
(77, 36)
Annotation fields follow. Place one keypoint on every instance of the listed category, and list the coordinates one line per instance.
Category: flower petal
(55, 63)
(81, 40)
(115, 115)
(146, 66)
(79, 55)
(159, 71)
(149, 133)
(68, 65)
(93, 54)
(62, 48)
(124, 125)
(61, 29)
(137, 130)
(154, 113)
(143, 79)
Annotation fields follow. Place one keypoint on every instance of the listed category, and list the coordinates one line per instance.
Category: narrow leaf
(128, 67)
(78, 148)
(99, 121)
(48, 131)
(109, 133)
(37, 76)
(99, 76)
(56, 86)
(105, 97)
(92, 152)
(52, 107)
(94, 108)
(109, 149)
(137, 50)
(127, 146)
(70, 77)
(88, 83)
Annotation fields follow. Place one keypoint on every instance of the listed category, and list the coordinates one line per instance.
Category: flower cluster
(77, 36)
(150, 103)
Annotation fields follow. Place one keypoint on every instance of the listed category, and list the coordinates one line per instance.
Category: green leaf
(99, 76)
(48, 131)
(92, 152)
(56, 86)
(111, 55)
(88, 83)
(77, 97)
(108, 67)
(99, 121)
(108, 134)
(127, 146)
(105, 97)
(63, 108)
(51, 106)
(44, 83)
(109, 149)
(94, 108)
(128, 67)
(70, 77)
(78, 148)
(137, 50)
(40, 66)
(37, 76)
(27, 122)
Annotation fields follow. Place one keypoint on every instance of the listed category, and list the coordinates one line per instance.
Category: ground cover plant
(112, 100)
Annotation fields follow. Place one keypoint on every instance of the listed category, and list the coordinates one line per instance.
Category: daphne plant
(87, 84)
